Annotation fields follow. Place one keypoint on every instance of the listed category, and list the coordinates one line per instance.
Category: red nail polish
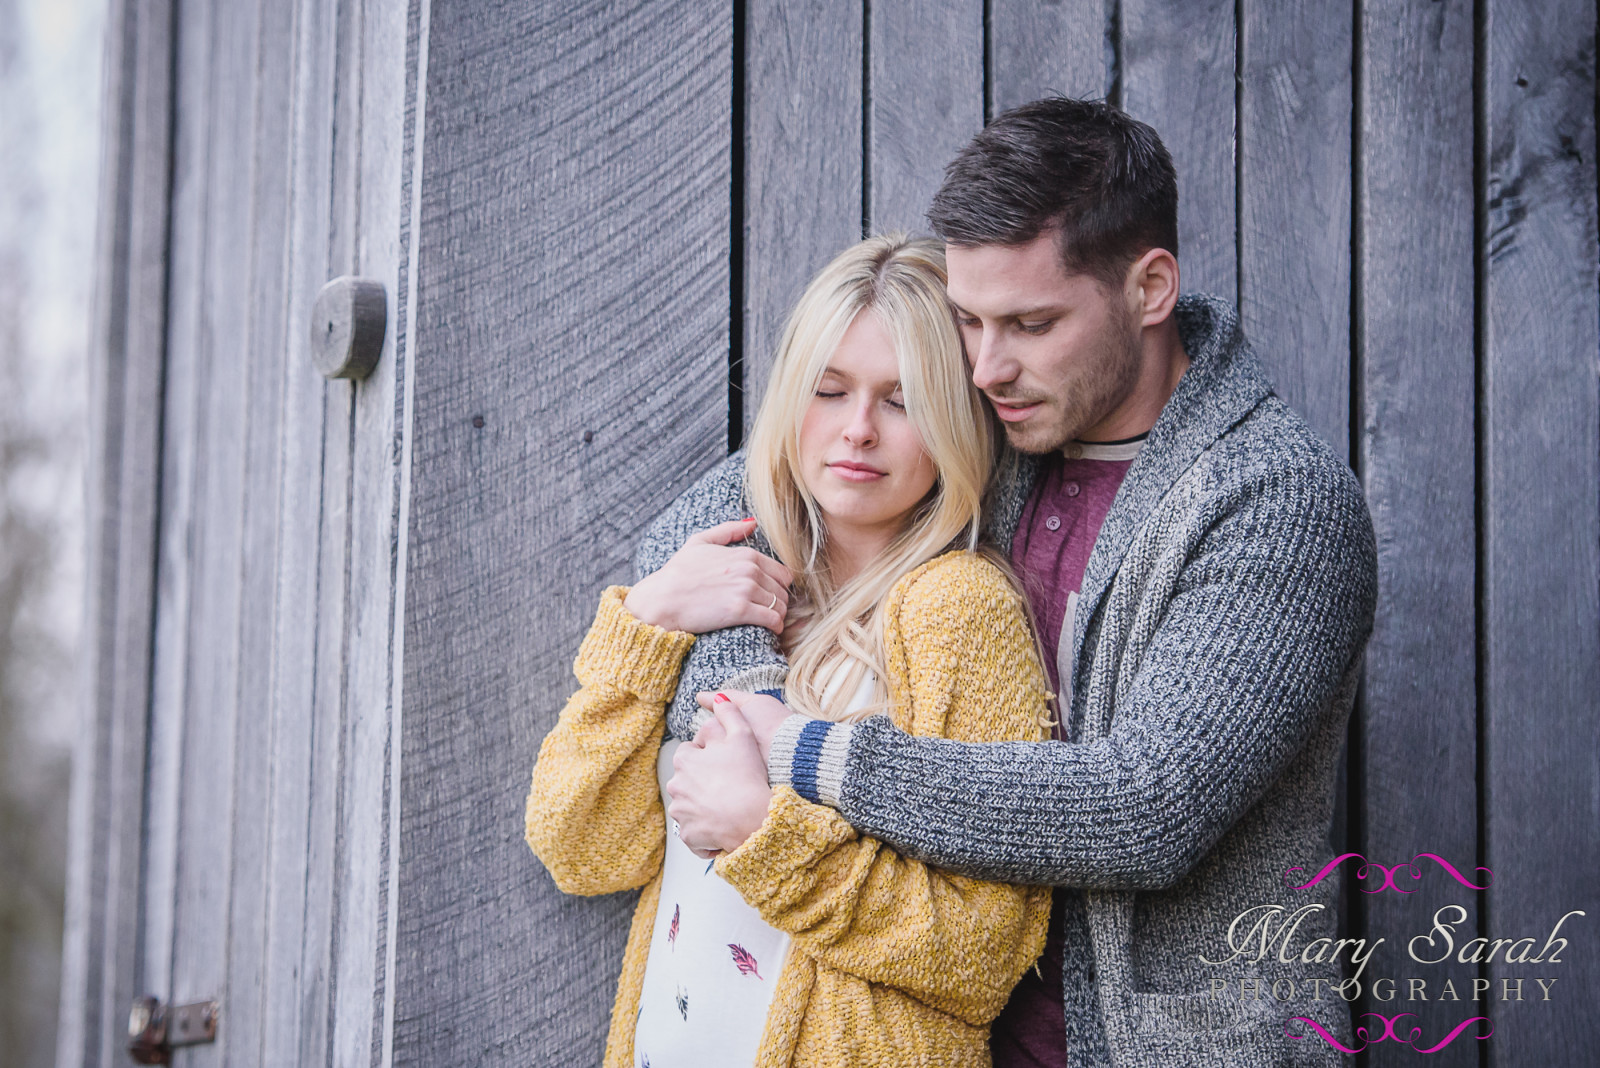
(722, 697)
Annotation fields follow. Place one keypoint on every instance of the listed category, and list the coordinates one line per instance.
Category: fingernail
(722, 697)
(748, 519)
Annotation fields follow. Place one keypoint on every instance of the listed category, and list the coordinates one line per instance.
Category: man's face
(1055, 353)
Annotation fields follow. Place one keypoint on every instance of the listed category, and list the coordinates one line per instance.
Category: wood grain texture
(1414, 331)
(314, 458)
(1294, 210)
(376, 143)
(568, 282)
(802, 181)
(1540, 446)
(101, 944)
(925, 100)
(263, 722)
(1048, 49)
(201, 936)
(1178, 75)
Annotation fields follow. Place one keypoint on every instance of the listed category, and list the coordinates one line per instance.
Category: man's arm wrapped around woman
(735, 658)
(961, 664)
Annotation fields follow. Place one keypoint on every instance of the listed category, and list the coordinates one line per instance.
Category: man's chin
(1035, 441)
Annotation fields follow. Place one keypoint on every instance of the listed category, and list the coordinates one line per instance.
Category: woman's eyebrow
(848, 377)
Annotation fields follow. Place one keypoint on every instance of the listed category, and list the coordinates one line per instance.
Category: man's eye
(1036, 328)
(966, 321)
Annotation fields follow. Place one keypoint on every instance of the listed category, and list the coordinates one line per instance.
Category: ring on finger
(774, 601)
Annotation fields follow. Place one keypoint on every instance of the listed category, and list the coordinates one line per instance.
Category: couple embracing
(956, 718)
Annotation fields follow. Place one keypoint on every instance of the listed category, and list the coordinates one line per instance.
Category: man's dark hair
(1084, 168)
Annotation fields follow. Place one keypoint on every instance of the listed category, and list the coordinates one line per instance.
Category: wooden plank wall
(230, 821)
(332, 622)
(572, 375)
(1340, 176)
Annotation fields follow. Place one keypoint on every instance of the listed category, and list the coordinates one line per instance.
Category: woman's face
(860, 456)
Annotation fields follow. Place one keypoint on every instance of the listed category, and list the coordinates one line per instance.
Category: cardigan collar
(1223, 384)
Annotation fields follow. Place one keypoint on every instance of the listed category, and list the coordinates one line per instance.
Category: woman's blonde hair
(841, 627)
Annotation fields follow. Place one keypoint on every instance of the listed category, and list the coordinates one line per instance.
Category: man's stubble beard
(1090, 397)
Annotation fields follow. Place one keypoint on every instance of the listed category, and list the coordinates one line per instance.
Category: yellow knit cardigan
(891, 962)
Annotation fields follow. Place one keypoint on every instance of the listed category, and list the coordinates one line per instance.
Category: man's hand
(764, 715)
(711, 583)
(719, 788)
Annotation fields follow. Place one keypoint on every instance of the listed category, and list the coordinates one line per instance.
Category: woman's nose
(862, 430)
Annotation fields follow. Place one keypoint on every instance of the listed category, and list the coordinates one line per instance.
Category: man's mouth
(854, 472)
(1013, 411)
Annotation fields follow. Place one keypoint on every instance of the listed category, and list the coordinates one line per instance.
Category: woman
(807, 944)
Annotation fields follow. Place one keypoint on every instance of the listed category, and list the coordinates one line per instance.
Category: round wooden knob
(347, 327)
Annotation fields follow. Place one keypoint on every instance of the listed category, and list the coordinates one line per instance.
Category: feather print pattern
(744, 961)
(672, 931)
(683, 1003)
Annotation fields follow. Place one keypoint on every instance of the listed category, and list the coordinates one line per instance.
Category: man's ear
(1153, 287)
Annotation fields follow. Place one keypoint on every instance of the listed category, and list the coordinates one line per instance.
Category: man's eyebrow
(1046, 310)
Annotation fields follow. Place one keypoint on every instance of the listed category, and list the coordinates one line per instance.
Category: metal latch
(154, 1030)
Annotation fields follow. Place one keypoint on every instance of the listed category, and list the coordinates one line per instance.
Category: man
(1202, 568)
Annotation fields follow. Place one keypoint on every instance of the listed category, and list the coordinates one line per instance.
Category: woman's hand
(719, 787)
(762, 713)
(711, 583)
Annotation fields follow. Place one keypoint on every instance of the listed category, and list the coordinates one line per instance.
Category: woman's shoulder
(958, 585)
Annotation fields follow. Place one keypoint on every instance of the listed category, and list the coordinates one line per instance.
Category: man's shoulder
(1274, 449)
(716, 497)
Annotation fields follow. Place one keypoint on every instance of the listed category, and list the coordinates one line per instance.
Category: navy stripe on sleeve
(807, 751)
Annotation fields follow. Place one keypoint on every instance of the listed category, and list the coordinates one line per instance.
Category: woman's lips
(852, 472)
(1014, 411)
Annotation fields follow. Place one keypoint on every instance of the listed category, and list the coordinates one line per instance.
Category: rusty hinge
(154, 1030)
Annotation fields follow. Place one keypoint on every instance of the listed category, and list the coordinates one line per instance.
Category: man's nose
(991, 365)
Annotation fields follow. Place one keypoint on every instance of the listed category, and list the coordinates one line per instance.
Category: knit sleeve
(961, 659)
(594, 814)
(1265, 624)
(737, 658)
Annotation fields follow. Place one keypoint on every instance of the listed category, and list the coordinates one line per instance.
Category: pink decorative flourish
(1460, 1027)
(1365, 1036)
(1410, 867)
(1326, 1037)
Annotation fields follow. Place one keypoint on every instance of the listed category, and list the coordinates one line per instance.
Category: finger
(768, 592)
(731, 719)
(773, 569)
(706, 854)
(710, 731)
(723, 533)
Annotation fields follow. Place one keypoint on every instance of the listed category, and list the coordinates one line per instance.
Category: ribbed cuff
(808, 755)
(637, 657)
(793, 837)
(780, 757)
(767, 680)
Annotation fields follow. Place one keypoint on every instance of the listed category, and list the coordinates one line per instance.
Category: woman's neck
(851, 550)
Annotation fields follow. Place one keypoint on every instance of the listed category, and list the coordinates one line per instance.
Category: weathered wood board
(570, 376)
(1539, 539)
(1413, 372)
(332, 621)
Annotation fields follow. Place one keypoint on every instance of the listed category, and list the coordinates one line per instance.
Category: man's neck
(1163, 364)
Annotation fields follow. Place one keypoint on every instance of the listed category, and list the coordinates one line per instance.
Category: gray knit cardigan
(1221, 624)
